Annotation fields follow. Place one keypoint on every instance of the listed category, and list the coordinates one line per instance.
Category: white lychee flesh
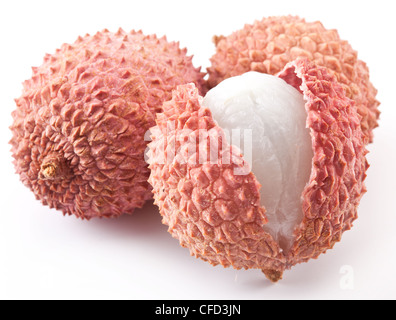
(266, 118)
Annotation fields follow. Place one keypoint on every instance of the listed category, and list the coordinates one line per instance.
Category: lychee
(289, 201)
(78, 130)
(268, 45)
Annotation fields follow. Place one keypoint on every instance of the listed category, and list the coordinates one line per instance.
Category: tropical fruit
(80, 123)
(294, 198)
(268, 45)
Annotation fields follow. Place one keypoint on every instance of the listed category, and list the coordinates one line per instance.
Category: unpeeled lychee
(218, 213)
(78, 130)
(268, 45)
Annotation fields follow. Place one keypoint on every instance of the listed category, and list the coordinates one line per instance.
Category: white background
(45, 255)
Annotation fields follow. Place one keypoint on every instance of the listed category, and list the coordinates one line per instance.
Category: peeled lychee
(268, 45)
(287, 204)
(78, 130)
(266, 117)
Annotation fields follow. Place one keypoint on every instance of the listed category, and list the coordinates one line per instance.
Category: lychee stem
(48, 171)
(272, 275)
(53, 167)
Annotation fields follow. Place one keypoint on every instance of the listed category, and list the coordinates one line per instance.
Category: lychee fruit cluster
(281, 196)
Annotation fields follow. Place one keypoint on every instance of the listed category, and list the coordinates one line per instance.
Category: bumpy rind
(79, 127)
(210, 209)
(336, 185)
(217, 214)
(268, 45)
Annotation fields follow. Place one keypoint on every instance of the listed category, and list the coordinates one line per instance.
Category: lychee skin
(331, 198)
(79, 127)
(209, 209)
(218, 215)
(268, 45)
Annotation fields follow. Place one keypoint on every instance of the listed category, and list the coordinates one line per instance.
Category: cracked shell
(217, 214)
(268, 45)
(79, 126)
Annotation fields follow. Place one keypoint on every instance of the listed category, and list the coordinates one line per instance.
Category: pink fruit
(268, 45)
(218, 214)
(78, 130)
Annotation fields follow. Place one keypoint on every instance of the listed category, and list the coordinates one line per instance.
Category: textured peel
(332, 196)
(268, 45)
(217, 214)
(79, 126)
(212, 211)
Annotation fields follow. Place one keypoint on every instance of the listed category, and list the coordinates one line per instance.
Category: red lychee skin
(80, 124)
(339, 165)
(268, 45)
(212, 211)
(217, 214)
